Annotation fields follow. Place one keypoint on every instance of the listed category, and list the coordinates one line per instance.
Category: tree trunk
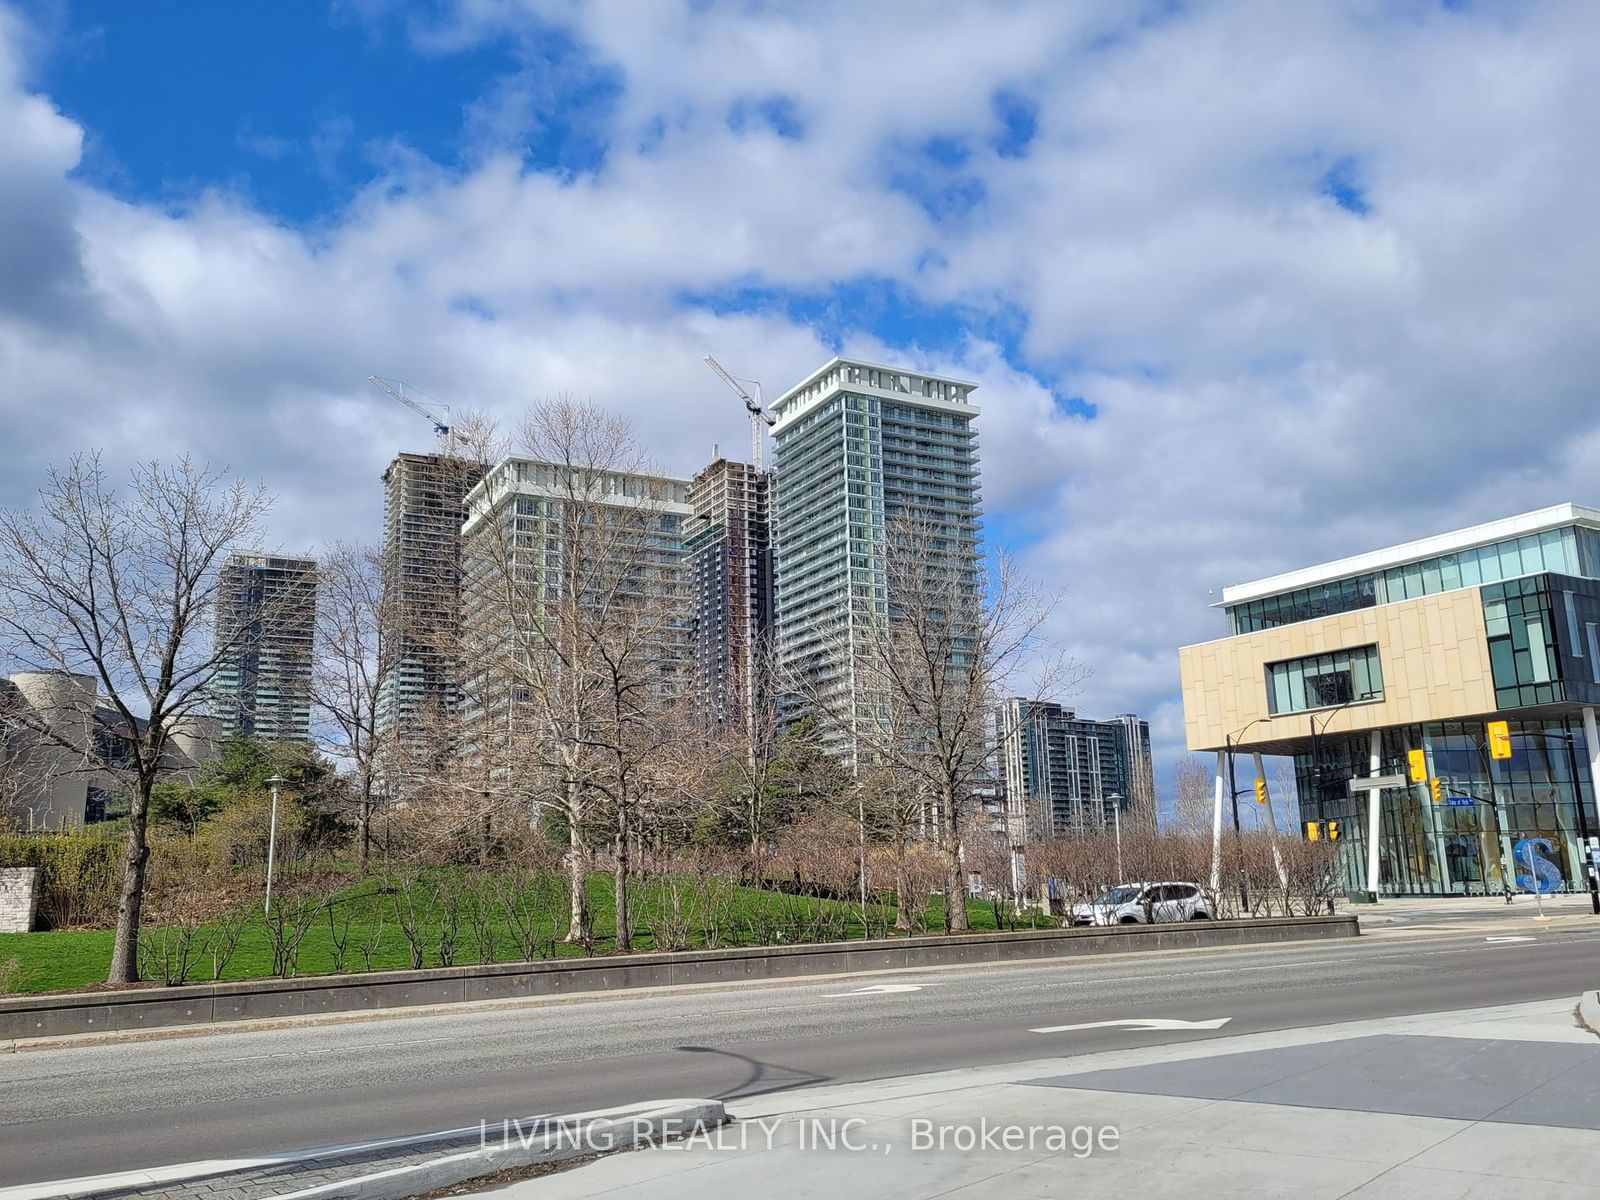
(755, 840)
(364, 825)
(955, 900)
(579, 926)
(125, 948)
(620, 855)
(902, 894)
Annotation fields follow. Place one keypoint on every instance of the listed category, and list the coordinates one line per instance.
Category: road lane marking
(877, 989)
(1139, 1023)
(1516, 938)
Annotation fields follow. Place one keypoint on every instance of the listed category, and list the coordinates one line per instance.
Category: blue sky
(1244, 285)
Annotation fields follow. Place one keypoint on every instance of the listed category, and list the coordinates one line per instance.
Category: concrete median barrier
(63, 1015)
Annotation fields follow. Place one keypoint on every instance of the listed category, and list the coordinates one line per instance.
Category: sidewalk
(1416, 916)
(1501, 1103)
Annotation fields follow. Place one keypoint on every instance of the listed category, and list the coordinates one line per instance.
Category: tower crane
(755, 405)
(441, 424)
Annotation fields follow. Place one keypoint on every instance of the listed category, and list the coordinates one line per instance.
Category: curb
(563, 1136)
(1589, 1012)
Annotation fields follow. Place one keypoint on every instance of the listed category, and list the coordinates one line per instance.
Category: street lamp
(1116, 817)
(1233, 788)
(1316, 759)
(274, 783)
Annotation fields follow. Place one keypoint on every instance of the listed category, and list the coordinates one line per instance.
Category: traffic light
(1333, 831)
(1499, 739)
(1313, 831)
(1261, 791)
(1436, 786)
(1419, 765)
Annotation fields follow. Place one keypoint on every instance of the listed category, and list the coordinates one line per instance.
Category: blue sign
(1460, 801)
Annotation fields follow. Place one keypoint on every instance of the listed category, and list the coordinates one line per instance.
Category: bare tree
(121, 587)
(930, 659)
(355, 652)
(24, 771)
(1142, 790)
(1193, 796)
(749, 744)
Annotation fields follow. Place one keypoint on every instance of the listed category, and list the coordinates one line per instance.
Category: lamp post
(1116, 817)
(1316, 759)
(1233, 788)
(274, 783)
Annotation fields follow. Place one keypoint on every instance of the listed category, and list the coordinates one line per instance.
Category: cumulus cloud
(1278, 282)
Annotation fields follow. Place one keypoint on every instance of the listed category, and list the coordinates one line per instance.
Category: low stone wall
(249, 1000)
(19, 898)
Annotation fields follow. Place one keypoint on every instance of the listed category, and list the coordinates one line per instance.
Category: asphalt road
(97, 1108)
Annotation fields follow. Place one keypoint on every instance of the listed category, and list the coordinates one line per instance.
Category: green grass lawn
(70, 959)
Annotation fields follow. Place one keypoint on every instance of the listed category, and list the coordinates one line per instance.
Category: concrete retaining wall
(200, 1004)
(19, 898)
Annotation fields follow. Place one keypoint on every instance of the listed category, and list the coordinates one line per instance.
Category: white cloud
(1275, 379)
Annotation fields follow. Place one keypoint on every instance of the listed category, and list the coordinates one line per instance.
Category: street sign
(1460, 801)
(1379, 782)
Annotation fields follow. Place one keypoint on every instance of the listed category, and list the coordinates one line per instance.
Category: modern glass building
(1351, 666)
(266, 617)
(1064, 774)
(857, 445)
(534, 529)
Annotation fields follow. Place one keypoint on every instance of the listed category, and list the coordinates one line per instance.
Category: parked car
(1136, 903)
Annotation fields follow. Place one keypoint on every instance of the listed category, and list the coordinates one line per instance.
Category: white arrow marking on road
(1141, 1023)
(877, 989)
(1508, 939)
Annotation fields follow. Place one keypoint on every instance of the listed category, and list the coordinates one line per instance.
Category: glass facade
(1517, 811)
(1306, 604)
(849, 461)
(1552, 550)
(1569, 551)
(1324, 680)
(1544, 640)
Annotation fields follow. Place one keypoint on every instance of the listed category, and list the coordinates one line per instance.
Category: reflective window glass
(1449, 572)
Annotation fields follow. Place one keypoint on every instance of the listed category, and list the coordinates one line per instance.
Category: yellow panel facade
(1434, 654)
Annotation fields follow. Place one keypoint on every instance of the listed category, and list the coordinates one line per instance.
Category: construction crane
(441, 424)
(755, 405)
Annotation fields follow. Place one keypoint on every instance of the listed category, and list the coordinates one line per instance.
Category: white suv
(1136, 903)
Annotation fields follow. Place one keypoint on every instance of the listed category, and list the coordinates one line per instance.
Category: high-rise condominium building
(424, 505)
(728, 549)
(521, 521)
(1064, 774)
(858, 445)
(266, 616)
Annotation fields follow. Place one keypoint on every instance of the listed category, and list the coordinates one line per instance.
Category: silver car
(1136, 903)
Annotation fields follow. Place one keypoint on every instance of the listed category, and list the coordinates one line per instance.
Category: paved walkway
(1501, 1103)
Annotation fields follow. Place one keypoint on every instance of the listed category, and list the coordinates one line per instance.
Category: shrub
(10, 976)
(80, 875)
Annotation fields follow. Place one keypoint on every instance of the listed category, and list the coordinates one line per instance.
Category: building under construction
(424, 507)
(729, 553)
